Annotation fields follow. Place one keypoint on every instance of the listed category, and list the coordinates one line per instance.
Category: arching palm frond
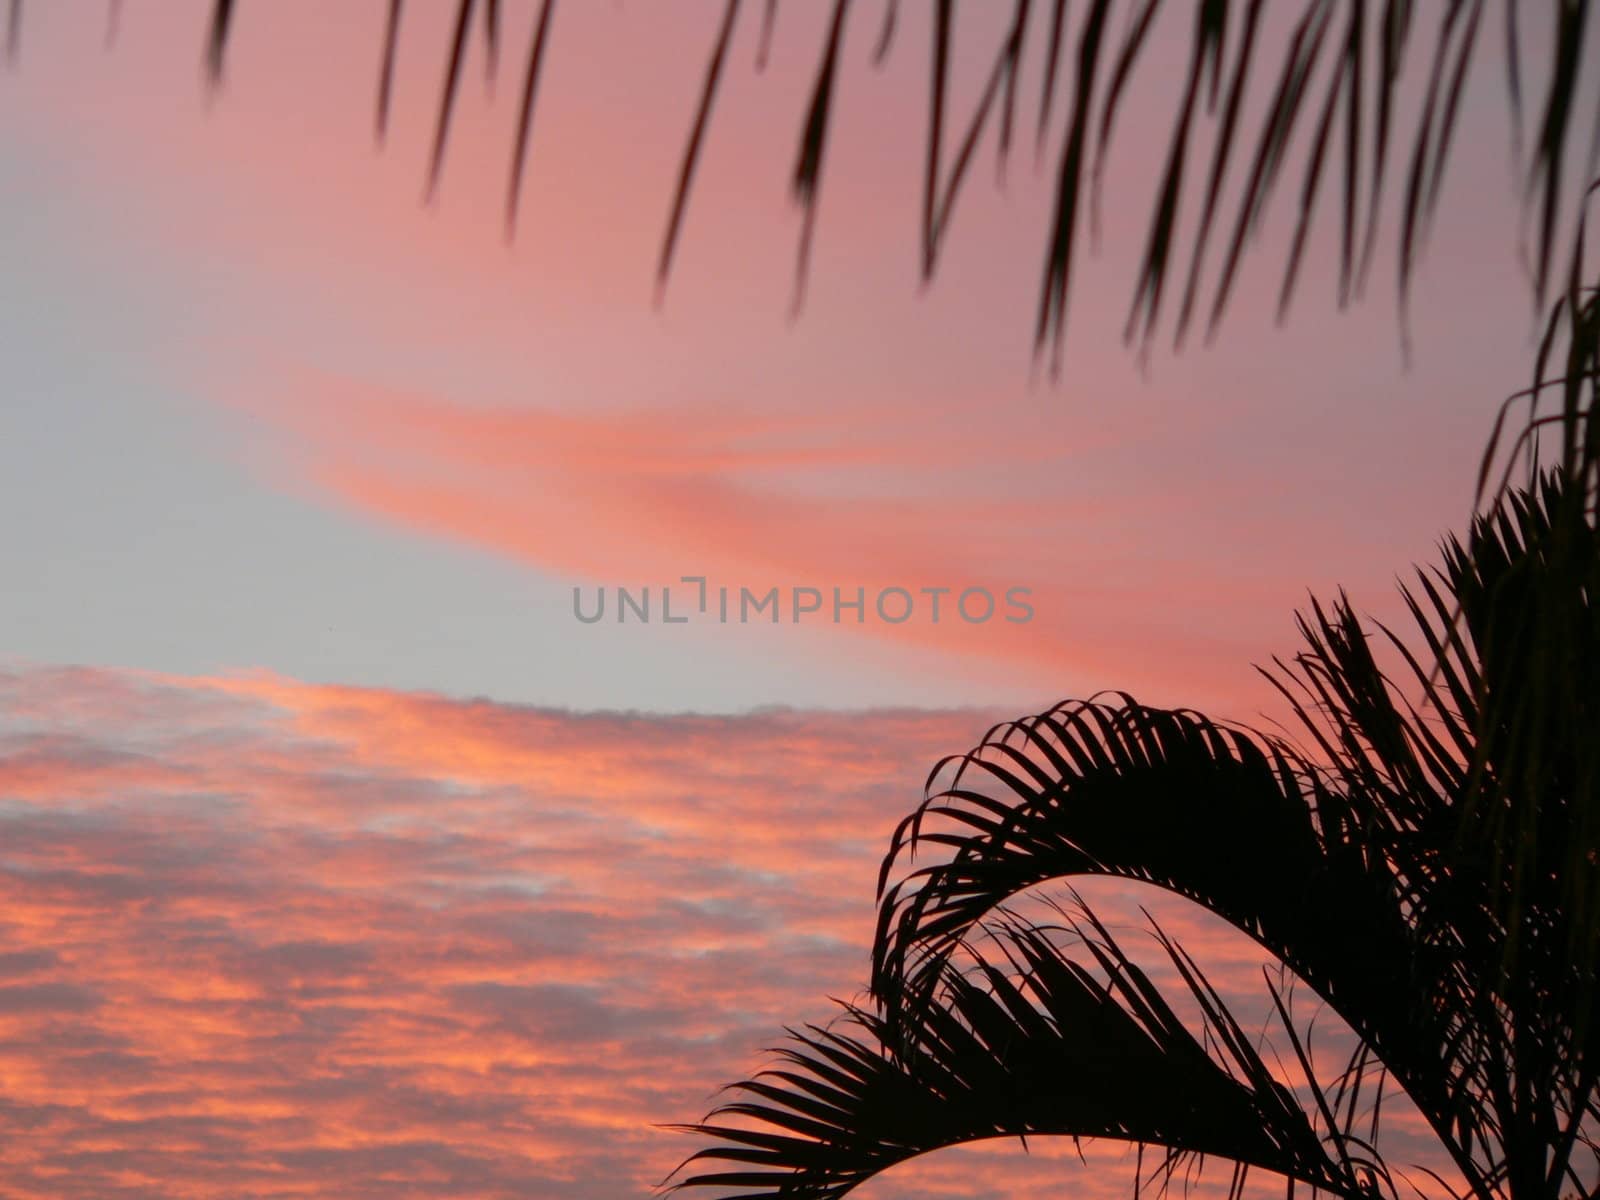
(1243, 825)
(1029, 1042)
(1221, 817)
(1386, 867)
(1387, 863)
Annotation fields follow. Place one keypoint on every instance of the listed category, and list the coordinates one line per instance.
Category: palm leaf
(530, 91)
(1383, 865)
(1427, 865)
(1237, 823)
(1031, 1042)
(1352, 139)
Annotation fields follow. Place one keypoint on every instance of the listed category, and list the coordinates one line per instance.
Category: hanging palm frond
(1331, 110)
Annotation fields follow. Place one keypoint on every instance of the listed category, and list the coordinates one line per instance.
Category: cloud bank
(267, 939)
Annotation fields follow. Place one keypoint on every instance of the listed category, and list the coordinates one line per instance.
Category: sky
(340, 855)
(269, 409)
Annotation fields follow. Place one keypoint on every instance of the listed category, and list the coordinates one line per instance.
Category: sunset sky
(339, 859)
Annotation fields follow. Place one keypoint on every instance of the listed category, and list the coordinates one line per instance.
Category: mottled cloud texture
(263, 938)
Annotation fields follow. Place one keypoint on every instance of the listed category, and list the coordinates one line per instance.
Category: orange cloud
(262, 938)
(786, 498)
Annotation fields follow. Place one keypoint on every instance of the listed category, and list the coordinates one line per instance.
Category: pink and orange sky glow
(339, 859)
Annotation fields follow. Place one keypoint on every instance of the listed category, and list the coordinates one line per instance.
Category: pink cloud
(788, 498)
(263, 938)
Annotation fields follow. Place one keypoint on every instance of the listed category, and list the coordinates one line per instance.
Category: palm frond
(1357, 52)
(1029, 1042)
(447, 94)
(1502, 875)
(691, 153)
(806, 185)
(1240, 824)
(1527, 588)
(391, 45)
(1427, 865)
(530, 91)
(216, 40)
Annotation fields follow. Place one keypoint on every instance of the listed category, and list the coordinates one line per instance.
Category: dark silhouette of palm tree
(1423, 858)
(1334, 111)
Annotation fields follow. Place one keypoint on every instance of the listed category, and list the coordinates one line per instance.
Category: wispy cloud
(904, 495)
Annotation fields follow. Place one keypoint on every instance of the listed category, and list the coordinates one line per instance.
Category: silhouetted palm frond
(1311, 89)
(1425, 863)
(1030, 1042)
